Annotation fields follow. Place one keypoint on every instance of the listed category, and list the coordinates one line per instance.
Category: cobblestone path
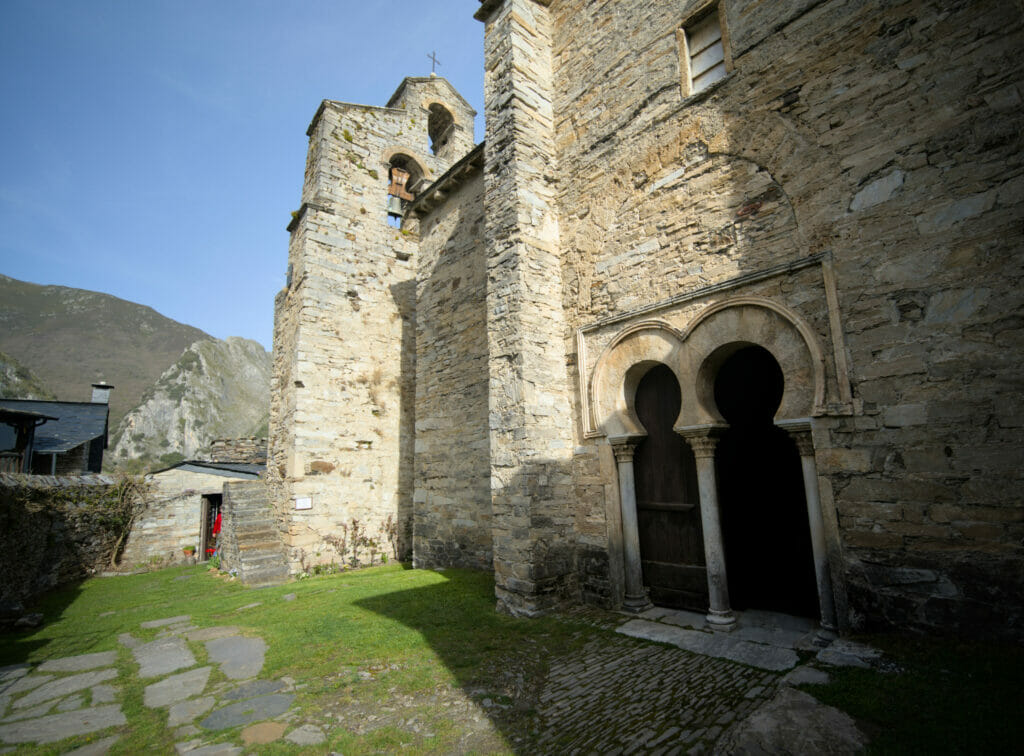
(624, 696)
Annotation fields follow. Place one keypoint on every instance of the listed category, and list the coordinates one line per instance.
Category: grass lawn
(950, 697)
(391, 659)
(426, 644)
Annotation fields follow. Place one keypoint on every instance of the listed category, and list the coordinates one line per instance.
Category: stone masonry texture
(849, 196)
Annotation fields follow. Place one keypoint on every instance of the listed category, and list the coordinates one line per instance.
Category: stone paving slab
(195, 748)
(806, 676)
(80, 663)
(306, 735)
(186, 711)
(71, 703)
(253, 689)
(99, 748)
(103, 694)
(718, 645)
(794, 722)
(56, 727)
(176, 688)
(163, 656)
(845, 653)
(35, 711)
(13, 672)
(64, 686)
(212, 633)
(25, 684)
(239, 657)
(247, 712)
(166, 621)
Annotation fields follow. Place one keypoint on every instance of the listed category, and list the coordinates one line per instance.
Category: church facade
(724, 314)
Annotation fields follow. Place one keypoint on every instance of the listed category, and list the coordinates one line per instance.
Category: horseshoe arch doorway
(667, 503)
(769, 561)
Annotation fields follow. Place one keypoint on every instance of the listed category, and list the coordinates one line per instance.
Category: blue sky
(153, 149)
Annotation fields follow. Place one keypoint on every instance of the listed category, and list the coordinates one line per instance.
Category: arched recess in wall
(696, 354)
(440, 125)
(727, 327)
(622, 365)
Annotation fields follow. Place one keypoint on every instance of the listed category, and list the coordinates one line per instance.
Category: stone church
(724, 314)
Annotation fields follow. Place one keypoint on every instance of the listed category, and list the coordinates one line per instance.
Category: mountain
(18, 382)
(70, 338)
(216, 389)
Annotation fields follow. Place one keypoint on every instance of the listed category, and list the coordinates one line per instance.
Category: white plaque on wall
(306, 502)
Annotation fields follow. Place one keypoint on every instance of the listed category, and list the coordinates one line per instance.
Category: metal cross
(434, 62)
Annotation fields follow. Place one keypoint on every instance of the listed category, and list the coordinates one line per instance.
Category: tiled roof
(77, 423)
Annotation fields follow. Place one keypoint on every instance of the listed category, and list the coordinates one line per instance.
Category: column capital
(804, 442)
(624, 447)
(702, 439)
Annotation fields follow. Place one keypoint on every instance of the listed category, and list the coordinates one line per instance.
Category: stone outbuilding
(181, 510)
(724, 314)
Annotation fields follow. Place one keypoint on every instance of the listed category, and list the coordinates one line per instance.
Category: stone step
(266, 526)
(262, 560)
(268, 545)
(265, 576)
(256, 534)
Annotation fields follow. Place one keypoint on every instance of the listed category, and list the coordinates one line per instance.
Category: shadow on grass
(18, 646)
(495, 659)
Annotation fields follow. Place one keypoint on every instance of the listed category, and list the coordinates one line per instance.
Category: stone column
(531, 418)
(636, 599)
(826, 601)
(703, 442)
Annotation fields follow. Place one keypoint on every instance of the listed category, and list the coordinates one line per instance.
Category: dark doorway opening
(767, 539)
(667, 503)
(207, 536)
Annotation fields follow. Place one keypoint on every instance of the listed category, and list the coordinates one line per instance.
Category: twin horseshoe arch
(696, 354)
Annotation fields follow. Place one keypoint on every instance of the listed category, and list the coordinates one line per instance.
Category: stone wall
(55, 530)
(238, 450)
(887, 142)
(452, 500)
(344, 346)
(172, 518)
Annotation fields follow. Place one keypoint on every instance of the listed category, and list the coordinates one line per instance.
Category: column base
(824, 636)
(722, 621)
(636, 603)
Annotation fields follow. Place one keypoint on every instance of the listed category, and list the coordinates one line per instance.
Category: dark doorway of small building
(767, 540)
(667, 503)
(211, 508)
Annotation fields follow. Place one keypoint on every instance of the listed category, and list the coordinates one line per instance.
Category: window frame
(716, 9)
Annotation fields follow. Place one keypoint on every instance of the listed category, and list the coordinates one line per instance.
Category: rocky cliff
(216, 389)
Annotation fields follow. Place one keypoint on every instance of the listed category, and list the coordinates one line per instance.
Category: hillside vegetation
(70, 338)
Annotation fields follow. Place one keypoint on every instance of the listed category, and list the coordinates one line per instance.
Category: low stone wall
(57, 529)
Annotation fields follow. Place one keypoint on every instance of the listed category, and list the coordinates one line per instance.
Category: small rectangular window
(702, 51)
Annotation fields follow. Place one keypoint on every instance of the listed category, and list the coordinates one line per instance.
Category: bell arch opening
(440, 125)
(667, 503)
(765, 530)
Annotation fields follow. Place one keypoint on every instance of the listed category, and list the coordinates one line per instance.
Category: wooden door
(668, 508)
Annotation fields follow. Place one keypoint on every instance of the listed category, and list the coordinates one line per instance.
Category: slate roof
(227, 469)
(77, 423)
